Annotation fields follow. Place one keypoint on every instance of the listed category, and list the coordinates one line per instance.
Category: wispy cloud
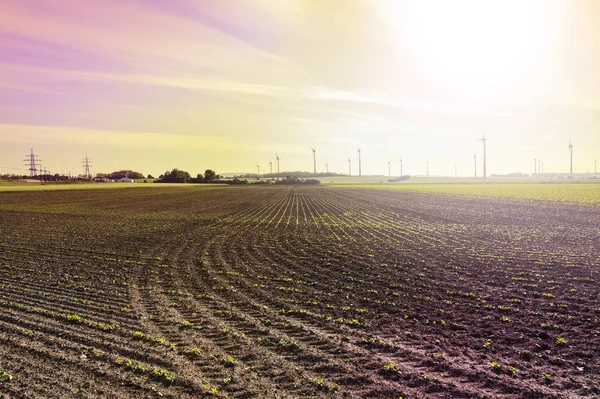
(218, 77)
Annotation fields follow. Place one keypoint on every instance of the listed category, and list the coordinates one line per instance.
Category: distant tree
(150, 176)
(125, 173)
(198, 179)
(175, 176)
(210, 175)
(291, 179)
(311, 181)
(236, 181)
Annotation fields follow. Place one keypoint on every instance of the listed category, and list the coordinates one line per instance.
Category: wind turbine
(349, 167)
(571, 153)
(534, 166)
(595, 160)
(327, 168)
(389, 169)
(475, 162)
(314, 159)
(359, 164)
(455, 171)
(483, 139)
(258, 171)
(427, 162)
(401, 168)
(271, 166)
(277, 159)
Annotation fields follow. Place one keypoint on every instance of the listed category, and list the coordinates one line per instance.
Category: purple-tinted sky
(152, 85)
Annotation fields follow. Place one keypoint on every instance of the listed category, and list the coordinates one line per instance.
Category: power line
(8, 167)
(32, 161)
(87, 162)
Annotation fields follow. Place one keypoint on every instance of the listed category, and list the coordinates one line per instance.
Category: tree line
(181, 176)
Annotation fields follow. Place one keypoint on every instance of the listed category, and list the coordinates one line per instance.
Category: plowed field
(286, 292)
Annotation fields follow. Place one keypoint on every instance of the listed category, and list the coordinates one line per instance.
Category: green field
(583, 193)
(571, 192)
(11, 186)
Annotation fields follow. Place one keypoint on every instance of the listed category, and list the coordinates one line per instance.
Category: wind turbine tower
(314, 159)
(534, 166)
(258, 171)
(32, 161)
(595, 160)
(349, 167)
(271, 166)
(475, 162)
(277, 159)
(389, 169)
(359, 164)
(427, 162)
(483, 140)
(571, 153)
(327, 168)
(401, 168)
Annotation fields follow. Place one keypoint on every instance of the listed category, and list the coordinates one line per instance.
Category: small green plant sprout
(390, 367)
(74, 318)
(226, 381)
(229, 361)
(547, 378)
(27, 332)
(187, 324)
(4, 376)
(194, 351)
(495, 366)
(321, 385)
(487, 344)
(135, 366)
(138, 335)
(512, 370)
(163, 375)
(561, 341)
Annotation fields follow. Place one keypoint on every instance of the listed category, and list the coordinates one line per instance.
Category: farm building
(126, 180)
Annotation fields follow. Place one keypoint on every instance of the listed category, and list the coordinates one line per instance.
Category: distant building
(126, 180)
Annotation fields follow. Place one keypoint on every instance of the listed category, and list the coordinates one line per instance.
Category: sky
(151, 85)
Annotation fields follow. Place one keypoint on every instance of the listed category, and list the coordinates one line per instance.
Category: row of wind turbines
(538, 164)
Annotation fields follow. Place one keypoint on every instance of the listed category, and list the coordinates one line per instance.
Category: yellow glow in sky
(225, 85)
(477, 48)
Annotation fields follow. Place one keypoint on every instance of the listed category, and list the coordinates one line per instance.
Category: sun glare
(475, 48)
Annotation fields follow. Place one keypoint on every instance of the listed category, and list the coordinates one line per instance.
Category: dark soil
(286, 292)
